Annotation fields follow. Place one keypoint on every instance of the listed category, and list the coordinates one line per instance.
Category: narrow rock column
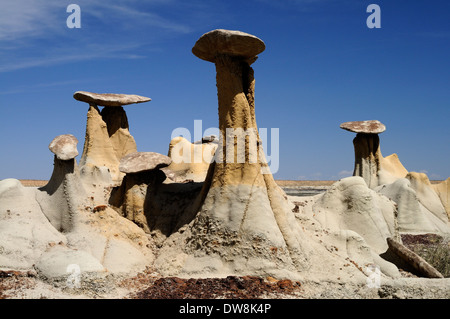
(107, 133)
(236, 117)
(244, 222)
(118, 129)
(64, 194)
(368, 156)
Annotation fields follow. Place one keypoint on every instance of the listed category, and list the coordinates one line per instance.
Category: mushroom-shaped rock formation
(64, 147)
(107, 132)
(64, 192)
(366, 127)
(190, 161)
(109, 99)
(219, 42)
(143, 175)
(369, 163)
(244, 222)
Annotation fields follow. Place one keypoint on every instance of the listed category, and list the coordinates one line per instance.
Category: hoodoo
(107, 132)
(64, 192)
(244, 223)
(369, 163)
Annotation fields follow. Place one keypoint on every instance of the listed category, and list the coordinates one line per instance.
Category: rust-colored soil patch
(231, 287)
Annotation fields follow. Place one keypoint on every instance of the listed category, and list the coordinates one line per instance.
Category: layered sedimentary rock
(244, 222)
(107, 133)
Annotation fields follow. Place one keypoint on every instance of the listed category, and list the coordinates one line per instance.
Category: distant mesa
(109, 99)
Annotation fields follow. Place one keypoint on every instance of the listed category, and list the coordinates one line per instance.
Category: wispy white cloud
(28, 18)
(48, 85)
(66, 56)
(144, 18)
(33, 33)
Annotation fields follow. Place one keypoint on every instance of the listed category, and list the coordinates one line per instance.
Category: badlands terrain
(148, 284)
(208, 220)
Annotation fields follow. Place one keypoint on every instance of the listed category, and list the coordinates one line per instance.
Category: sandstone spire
(64, 192)
(107, 132)
(243, 219)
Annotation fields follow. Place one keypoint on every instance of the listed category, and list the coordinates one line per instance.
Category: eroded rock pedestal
(420, 205)
(369, 162)
(67, 223)
(244, 223)
(107, 134)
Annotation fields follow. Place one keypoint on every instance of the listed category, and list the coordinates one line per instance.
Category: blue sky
(322, 66)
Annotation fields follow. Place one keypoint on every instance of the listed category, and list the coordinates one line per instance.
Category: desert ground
(150, 285)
